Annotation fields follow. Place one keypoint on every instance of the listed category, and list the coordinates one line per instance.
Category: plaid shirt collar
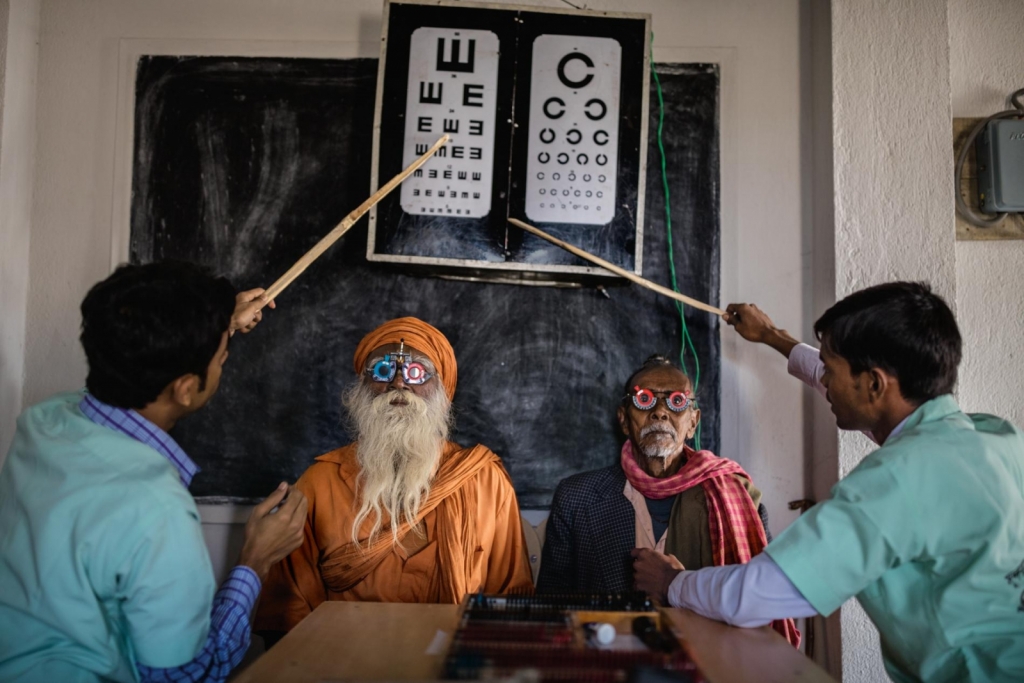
(132, 424)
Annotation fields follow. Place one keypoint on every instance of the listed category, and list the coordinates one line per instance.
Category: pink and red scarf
(737, 533)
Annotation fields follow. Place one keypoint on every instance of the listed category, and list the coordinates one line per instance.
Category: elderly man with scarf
(699, 509)
(403, 514)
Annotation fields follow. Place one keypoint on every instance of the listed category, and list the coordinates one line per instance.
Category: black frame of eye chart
(443, 240)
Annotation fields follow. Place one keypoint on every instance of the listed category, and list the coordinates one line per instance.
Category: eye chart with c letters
(574, 130)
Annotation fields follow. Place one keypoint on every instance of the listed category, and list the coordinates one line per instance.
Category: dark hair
(655, 361)
(145, 326)
(901, 328)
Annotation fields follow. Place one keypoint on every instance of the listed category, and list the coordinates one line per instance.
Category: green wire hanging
(687, 340)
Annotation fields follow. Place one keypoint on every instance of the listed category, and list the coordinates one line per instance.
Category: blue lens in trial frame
(384, 369)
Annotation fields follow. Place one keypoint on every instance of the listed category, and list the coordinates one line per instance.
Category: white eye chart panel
(453, 82)
(574, 130)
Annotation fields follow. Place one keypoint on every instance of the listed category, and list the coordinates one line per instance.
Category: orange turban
(421, 336)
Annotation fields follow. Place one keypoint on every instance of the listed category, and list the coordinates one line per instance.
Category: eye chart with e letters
(453, 79)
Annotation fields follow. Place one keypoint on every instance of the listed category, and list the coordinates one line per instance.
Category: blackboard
(242, 164)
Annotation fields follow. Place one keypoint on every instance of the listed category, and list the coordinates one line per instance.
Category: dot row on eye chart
(572, 177)
(575, 193)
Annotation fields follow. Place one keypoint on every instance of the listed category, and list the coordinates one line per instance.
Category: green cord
(687, 340)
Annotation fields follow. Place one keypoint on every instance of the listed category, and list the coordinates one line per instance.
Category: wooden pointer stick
(349, 220)
(615, 269)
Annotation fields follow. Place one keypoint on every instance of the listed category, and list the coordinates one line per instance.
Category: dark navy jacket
(590, 531)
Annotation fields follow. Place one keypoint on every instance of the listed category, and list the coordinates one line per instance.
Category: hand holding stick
(248, 311)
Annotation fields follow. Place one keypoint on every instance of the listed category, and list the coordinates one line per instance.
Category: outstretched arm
(754, 325)
(746, 595)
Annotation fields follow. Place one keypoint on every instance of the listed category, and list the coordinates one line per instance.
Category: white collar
(896, 430)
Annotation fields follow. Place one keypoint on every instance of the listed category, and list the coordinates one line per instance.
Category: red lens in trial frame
(646, 399)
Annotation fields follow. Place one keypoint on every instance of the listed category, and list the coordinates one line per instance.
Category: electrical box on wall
(1000, 152)
(547, 110)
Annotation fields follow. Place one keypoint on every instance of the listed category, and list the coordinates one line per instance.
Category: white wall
(19, 53)
(893, 187)
(5, 11)
(986, 65)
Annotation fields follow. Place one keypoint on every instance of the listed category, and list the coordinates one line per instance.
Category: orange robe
(474, 541)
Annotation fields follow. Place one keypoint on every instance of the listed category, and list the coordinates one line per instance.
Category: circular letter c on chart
(595, 117)
(571, 57)
(554, 100)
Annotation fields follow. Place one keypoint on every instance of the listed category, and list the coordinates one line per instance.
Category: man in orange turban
(403, 514)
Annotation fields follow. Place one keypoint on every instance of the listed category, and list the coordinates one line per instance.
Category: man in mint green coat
(104, 574)
(927, 532)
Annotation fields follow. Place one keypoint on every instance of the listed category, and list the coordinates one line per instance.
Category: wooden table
(725, 654)
(366, 641)
(372, 641)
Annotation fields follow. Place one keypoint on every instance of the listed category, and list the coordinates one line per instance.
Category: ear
(878, 383)
(623, 423)
(694, 421)
(184, 389)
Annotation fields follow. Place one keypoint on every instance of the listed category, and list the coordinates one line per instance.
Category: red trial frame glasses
(646, 399)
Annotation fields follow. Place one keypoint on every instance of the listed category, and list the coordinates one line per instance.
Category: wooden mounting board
(1011, 228)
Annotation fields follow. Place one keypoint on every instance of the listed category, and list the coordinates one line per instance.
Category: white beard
(661, 447)
(398, 451)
